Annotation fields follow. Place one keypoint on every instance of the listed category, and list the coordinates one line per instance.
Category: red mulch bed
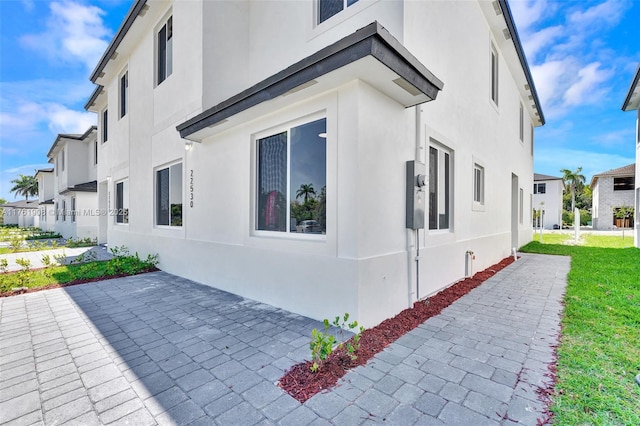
(302, 384)
(70, 283)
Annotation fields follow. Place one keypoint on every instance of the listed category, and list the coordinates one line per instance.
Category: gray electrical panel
(416, 182)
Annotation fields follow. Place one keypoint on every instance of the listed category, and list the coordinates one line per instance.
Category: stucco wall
(606, 199)
(552, 200)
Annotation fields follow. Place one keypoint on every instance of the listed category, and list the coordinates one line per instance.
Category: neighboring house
(611, 190)
(46, 196)
(75, 187)
(274, 164)
(22, 213)
(547, 195)
(632, 103)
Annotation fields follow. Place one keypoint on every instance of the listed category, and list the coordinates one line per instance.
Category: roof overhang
(82, 187)
(64, 137)
(371, 54)
(632, 101)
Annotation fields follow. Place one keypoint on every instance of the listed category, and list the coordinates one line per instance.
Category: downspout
(418, 158)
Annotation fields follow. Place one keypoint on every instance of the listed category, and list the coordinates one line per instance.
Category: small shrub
(61, 258)
(23, 275)
(16, 242)
(321, 346)
(4, 265)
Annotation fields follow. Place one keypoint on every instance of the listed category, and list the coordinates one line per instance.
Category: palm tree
(25, 185)
(574, 180)
(306, 190)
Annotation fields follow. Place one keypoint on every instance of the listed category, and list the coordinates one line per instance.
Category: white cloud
(75, 32)
(549, 160)
(587, 87)
(64, 120)
(527, 12)
(57, 117)
(607, 13)
(537, 41)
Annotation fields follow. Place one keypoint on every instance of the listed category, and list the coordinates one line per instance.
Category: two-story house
(547, 197)
(46, 196)
(75, 158)
(612, 190)
(304, 153)
(632, 103)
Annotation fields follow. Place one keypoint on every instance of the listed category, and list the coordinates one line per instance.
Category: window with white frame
(64, 210)
(329, 8)
(521, 123)
(478, 184)
(539, 188)
(73, 209)
(292, 178)
(164, 63)
(124, 91)
(62, 160)
(494, 74)
(105, 125)
(440, 187)
(169, 195)
(56, 211)
(532, 140)
(95, 151)
(122, 202)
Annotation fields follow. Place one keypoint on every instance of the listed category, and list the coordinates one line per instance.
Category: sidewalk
(159, 349)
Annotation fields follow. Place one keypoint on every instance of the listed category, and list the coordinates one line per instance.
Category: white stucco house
(75, 199)
(547, 196)
(611, 190)
(22, 213)
(46, 196)
(632, 103)
(303, 163)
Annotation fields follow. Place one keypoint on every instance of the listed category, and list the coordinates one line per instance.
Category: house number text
(191, 188)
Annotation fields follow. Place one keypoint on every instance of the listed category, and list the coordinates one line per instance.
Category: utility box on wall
(416, 181)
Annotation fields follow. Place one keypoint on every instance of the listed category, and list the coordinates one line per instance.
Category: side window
(169, 195)
(62, 160)
(73, 209)
(164, 63)
(64, 210)
(105, 125)
(521, 123)
(440, 187)
(292, 178)
(122, 202)
(124, 89)
(521, 205)
(494, 74)
(478, 184)
(329, 8)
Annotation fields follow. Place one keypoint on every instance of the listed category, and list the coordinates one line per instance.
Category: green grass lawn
(599, 353)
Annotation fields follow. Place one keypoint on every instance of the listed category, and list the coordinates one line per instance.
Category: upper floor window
(105, 125)
(440, 187)
(95, 151)
(532, 140)
(169, 195)
(122, 202)
(62, 160)
(64, 210)
(478, 184)
(328, 8)
(124, 89)
(624, 183)
(165, 50)
(292, 178)
(539, 188)
(521, 123)
(494, 75)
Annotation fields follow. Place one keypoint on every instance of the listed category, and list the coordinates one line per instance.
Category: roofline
(634, 83)
(371, 40)
(73, 137)
(135, 9)
(94, 96)
(508, 17)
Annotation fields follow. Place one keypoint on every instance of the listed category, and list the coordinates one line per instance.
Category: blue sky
(582, 54)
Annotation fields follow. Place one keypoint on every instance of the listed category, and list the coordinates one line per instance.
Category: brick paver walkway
(159, 349)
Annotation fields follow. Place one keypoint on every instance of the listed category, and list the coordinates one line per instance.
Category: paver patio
(159, 349)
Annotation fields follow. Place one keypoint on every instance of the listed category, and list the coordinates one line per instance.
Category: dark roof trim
(539, 176)
(93, 97)
(506, 12)
(634, 83)
(83, 187)
(372, 40)
(50, 201)
(49, 170)
(71, 136)
(122, 31)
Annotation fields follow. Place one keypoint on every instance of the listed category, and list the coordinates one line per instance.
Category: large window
(62, 159)
(494, 75)
(328, 8)
(64, 210)
(73, 209)
(292, 179)
(124, 89)
(539, 188)
(122, 202)
(624, 183)
(478, 184)
(169, 196)
(440, 187)
(165, 50)
(105, 125)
